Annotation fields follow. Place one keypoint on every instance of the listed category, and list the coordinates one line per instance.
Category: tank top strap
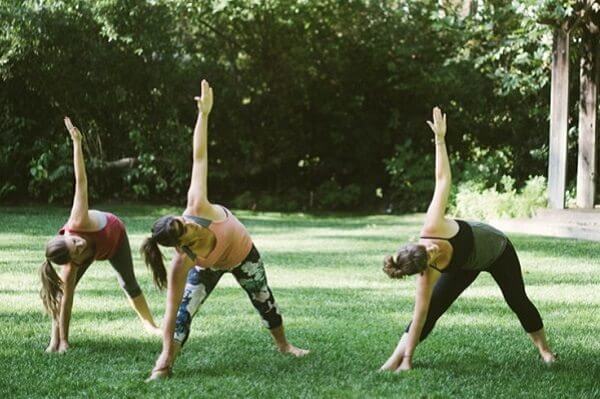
(435, 268)
(198, 220)
(190, 254)
(434, 238)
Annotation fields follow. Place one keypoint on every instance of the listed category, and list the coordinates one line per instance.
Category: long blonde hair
(52, 286)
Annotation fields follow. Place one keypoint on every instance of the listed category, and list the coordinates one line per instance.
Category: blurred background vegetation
(319, 105)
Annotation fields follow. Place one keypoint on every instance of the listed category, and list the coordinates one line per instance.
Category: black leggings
(506, 270)
(123, 265)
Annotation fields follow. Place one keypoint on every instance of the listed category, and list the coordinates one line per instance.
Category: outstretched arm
(79, 211)
(69, 277)
(180, 267)
(435, 219)
(401, 358)
(198, 193)
(425, 283)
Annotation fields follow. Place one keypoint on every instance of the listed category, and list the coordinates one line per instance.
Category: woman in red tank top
(87, 236)
(209, 241)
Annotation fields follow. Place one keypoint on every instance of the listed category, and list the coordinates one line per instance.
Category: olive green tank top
(488, 244)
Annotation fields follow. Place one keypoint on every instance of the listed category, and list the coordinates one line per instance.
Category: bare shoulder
(445, 228)
(84, 221)
(206, 210)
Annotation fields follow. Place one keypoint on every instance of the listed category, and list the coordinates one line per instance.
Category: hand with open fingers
(205, 101)
(405, 365)
(438, 126)
(73, 131)
(52, 347)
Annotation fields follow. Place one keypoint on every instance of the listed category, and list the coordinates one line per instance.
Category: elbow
(443, 179)
(443, 176)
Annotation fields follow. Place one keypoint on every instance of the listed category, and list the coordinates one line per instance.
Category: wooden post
(586, 164)
(559, 113)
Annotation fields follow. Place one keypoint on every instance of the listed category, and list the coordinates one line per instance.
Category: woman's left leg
(123, 265)
(253, 279)
(507, 273)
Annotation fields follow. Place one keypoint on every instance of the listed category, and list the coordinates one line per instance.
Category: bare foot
(548, 357)
(292, 350)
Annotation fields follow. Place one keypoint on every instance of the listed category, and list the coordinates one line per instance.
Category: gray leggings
(123, 265)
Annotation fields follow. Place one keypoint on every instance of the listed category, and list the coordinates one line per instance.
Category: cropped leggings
(123, 265)
(506, 271)
(250, 275)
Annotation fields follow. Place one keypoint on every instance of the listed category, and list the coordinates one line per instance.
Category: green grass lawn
(326, 275)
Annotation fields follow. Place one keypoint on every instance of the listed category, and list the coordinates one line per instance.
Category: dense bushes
(319, 104)
(475, 201)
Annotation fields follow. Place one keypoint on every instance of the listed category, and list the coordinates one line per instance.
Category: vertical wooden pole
(586, 163)
(559, 113)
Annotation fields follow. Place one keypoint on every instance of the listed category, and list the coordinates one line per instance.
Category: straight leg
(449, 286)
(122, 262)
(252, 278)
(200, 283)
(507, 273)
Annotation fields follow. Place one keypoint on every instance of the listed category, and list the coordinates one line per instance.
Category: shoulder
(444, 228)
(90, 221)
(207, 210)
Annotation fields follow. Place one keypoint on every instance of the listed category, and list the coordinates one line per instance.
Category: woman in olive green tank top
(448, 258)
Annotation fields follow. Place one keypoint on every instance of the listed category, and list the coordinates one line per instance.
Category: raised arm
(79, 211)
(198, 193)
(435, 219)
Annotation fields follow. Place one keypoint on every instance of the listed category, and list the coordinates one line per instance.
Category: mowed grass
(326, 276)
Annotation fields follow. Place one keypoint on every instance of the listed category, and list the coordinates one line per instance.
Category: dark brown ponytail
(154, 261)
(165, 231)
(410, 259)
(51, 291)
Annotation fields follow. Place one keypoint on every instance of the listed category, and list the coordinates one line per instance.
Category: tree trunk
(586, 164)
(559, 113)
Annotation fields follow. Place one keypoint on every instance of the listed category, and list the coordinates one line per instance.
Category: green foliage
(411, 179)
(307, 93)
(330, 195)
(475, 201)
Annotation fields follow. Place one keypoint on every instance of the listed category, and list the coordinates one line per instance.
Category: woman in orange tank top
(87, 236)
(209, 241)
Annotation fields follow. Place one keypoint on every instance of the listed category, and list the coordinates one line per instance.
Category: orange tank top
(106, 241)
(233, 242)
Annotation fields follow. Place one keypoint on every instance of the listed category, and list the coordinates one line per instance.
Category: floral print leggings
(250, 274)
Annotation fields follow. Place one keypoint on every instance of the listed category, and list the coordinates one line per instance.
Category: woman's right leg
(446, 290)
(199, 285)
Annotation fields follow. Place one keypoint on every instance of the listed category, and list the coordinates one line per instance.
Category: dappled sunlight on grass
(326, 275)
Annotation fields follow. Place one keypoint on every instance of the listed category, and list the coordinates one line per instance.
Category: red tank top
(106, 241)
